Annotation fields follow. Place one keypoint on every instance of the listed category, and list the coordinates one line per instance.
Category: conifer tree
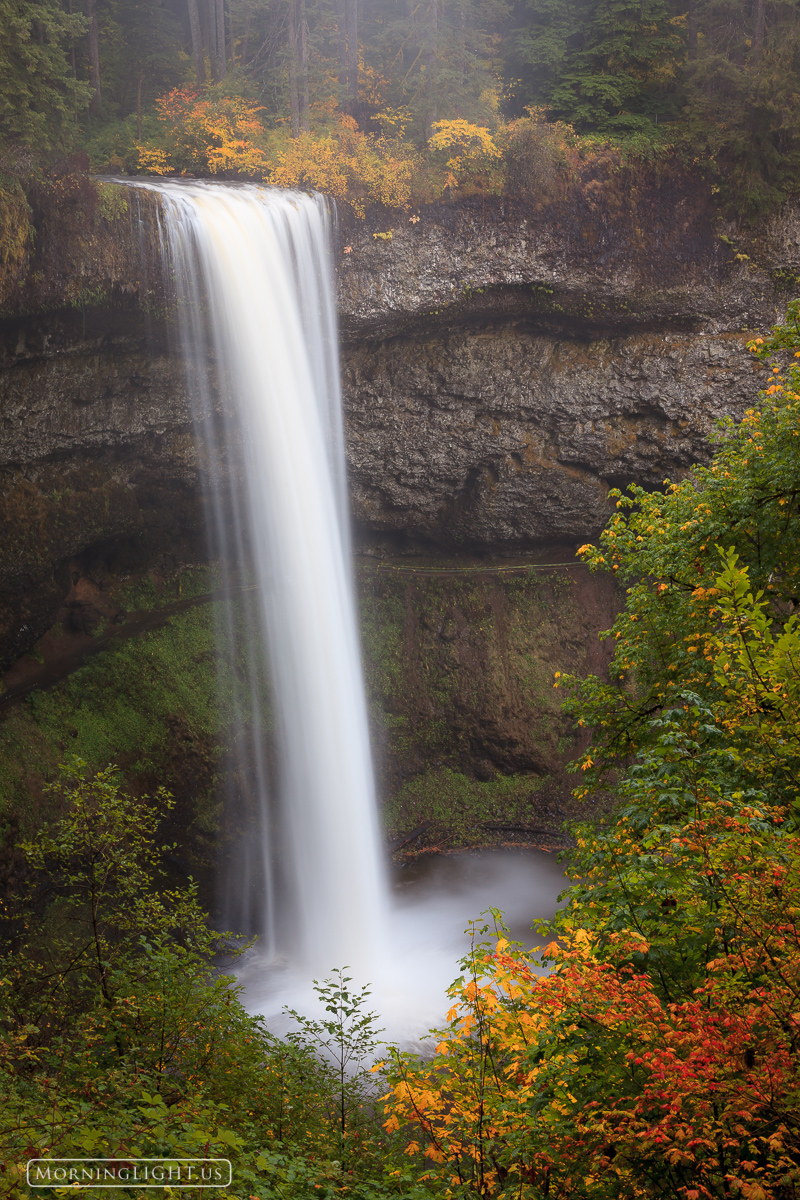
(39, 95)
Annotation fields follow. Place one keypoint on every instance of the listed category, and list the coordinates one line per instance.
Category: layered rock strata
(503, 365)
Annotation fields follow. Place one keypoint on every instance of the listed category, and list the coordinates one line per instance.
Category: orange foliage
(205, 133)
(350, 165)
(207, 136)
(225, 136)
(590, 1083)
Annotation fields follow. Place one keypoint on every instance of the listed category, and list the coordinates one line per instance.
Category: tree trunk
(351, 9)
(758, 30)
(197, 43)
(211, 29)
(94, 54)
(139, 108)
(298, 67)
(221, 50)
(245, 40)
(433, 63)
(691, 31)
(305, 123)
(341, 45)
(411, 48)
(294, 72)
(72, 50)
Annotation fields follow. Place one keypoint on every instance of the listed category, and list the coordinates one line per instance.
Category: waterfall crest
(254, 289)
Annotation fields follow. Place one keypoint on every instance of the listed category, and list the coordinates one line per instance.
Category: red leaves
(699, 1096)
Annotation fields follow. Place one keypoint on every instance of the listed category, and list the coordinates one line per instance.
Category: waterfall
(257, 320)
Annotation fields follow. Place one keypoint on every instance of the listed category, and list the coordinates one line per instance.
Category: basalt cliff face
(504, 363)
(504, 366)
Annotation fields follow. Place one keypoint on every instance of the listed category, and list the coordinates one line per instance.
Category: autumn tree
(659, 1055)
(589, 1082)
(205, 136)
(197, 43)
(669, 549)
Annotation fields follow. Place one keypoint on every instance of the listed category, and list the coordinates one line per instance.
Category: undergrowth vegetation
(121, 705)
(447, 660)
(216, 134)
(121, 1037)
(659, 1056)
(165, 706)
(462, 807)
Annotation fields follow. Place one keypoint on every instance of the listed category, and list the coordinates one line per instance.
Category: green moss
(459, 674)
(460, 805)
(112, 201)
(87, 297)
(786, 280)
(116, 708)
(161, 705)
(460, 677)
(146, 592)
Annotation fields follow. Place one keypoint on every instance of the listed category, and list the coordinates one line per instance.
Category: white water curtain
(253, 278)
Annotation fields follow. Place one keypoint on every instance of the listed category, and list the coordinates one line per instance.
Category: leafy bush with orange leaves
(659, 1056)
(224, 136)
(211, 132)
(207, 135)
(354, 167)
(615, 1075)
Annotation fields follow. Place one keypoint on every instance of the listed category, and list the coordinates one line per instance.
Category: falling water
(257, 325)
(255, 293)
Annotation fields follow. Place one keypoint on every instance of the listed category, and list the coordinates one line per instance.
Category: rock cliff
(504, 363)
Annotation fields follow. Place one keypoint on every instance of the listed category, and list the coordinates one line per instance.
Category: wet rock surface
(503, 366)
(595, 262)
(97, 462)
(507, 438)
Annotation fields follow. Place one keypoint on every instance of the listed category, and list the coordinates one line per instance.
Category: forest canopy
(714, 82)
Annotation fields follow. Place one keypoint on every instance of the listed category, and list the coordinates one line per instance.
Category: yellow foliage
(205, 133)
(464, 140)
(462, 1107)
(16, 231)
(313, 162)
(215, 136)
(349, 165)
(468, 153)
(153, 160)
